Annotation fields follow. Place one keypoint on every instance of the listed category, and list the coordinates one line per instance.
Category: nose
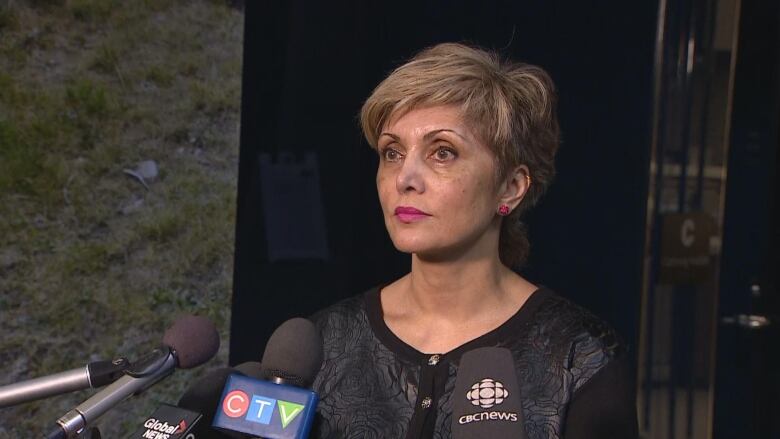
(410, 176)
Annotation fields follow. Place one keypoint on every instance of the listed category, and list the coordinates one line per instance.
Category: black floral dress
(574, 374)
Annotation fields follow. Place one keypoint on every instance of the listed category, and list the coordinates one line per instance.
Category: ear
(515, 186)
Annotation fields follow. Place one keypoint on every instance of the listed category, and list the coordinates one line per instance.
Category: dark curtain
(309, 65)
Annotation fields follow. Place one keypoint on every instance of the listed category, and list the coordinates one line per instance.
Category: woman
(466, 143)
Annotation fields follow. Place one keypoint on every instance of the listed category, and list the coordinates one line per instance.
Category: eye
(444, 154)
(390, 154)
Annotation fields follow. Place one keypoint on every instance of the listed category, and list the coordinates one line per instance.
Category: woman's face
(436, 183)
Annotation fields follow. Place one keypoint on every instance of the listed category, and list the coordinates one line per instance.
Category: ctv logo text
(260, 409)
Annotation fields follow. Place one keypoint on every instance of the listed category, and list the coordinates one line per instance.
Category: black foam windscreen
(293, 353)
(203, 395)
(487, 396)
(194, 339)
(251, 369)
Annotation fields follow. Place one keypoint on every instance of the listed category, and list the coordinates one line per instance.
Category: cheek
(384, 189)
(468, 193)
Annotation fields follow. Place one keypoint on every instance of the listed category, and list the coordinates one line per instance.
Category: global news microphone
(466, 144)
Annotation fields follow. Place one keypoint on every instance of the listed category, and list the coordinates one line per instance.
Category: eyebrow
(427, 137)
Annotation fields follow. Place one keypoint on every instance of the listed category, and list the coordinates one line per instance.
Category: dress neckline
(373, 306)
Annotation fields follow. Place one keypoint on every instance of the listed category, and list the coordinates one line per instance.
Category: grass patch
(187, 67)
(178, 135)
(167, 300)
(211, 99)
(88, 98)
(87, 258)
(159, 5)
(106, 60)
(90, 105)
(47, 3)
(19, 163)
(9, 19)
(15, 55)
(163, 226)
(43, 131)
(160, 76)
(9, 93)
(91, 11)
(77, 265)
(106, 159)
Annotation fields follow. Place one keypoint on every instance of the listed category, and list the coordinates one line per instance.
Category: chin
(432, 247)
(412, 245)
(428, 248)
(408, 248)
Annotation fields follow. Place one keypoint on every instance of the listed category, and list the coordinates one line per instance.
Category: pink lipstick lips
(409, 214)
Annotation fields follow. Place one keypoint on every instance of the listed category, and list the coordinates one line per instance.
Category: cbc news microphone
(279, 407)
(487, 396)
(190, 342)
(191, 418)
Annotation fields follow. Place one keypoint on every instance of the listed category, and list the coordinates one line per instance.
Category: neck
(456, 287)
(444, 287)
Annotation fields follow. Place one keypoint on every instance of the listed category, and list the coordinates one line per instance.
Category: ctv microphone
(487, 396)
(93, 375)
(278, 408)
(190, 342)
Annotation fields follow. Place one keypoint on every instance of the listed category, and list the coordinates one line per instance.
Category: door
(747, 381)
(709, 281)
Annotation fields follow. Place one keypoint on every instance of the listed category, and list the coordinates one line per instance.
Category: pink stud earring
(503, 210)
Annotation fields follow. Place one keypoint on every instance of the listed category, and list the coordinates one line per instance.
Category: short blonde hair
(511, 106)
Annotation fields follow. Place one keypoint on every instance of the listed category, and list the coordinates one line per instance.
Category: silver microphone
(93, 375)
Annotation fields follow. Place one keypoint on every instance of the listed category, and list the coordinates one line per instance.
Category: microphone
(190, 342)
(193, 415)
(487, 396)
(168, 422)
(277, 407)
(93, 375)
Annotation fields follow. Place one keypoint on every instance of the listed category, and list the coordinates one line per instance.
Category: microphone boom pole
(159, 365)
(93, 375)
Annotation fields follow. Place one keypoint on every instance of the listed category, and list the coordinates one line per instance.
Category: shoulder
(341, 316)
(580, 342)
(344, 323)
(596, 362)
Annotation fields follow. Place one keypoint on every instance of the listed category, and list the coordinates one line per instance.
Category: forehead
(424, 119)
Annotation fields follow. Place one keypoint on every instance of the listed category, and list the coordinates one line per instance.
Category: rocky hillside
(118, 161)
